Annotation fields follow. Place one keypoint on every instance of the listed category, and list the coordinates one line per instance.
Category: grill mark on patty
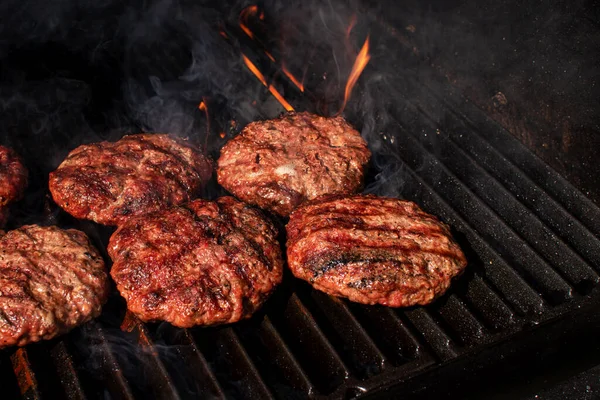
(212, 272)
(348, 235)
(45, 275)
(171, 154)
(227, 214)
(321, 263)
(367, 212)
(314, 227)
(110, 181)
(34, 282)
(80, 275)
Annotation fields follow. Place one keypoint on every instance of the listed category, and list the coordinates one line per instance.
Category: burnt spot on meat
(363, 283)
(321, 264)
(153, 300)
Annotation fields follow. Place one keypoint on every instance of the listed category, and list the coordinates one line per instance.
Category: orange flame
(262, 80)
(292, 78)
(270, 56)
(359, 65)
(247, 30)
(202, 107)
(351, 26)
(247, 12)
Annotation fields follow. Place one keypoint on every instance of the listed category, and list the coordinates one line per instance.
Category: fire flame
(244, 15)
(351, 26)
(202, 107)
(262, 80)
(270, 56)
(359, 65)
(292, 78)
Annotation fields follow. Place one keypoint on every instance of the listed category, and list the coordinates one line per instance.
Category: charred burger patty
(13, 180)
(109, 182)
(280, 163)
(203, 263)
(372, 250)
(51, 280)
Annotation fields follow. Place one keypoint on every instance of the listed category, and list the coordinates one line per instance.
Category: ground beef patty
(51, 280)
(278, 164)
(13, 180)
(372, 250)
(203, 263)
(109, 182)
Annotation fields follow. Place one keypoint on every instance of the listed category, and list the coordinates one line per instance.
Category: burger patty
(280, 163)
(13, 176)
(13, 180)
(51, 280)
(109, 182)
(203, 263)
(372, 250)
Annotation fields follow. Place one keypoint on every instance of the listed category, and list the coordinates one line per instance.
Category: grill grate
(534, 255)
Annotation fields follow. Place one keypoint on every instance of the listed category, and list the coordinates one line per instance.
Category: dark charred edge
(399, 243)
(322, 263)
(227, 213)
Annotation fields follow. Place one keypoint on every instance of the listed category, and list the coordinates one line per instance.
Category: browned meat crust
(13, 176)
(372, 250)
(203, 263)
(51, 280)
(278, 164)
(13, 180)
(109, 182)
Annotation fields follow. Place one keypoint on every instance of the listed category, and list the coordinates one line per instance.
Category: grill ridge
(509, 209)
